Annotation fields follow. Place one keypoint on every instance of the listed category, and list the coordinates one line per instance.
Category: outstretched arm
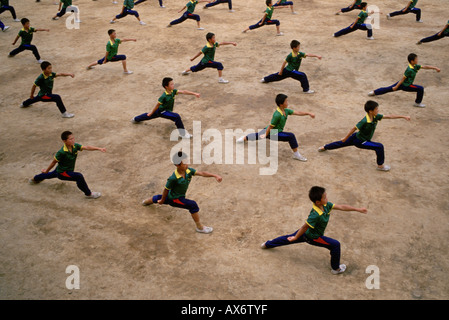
(207, 175)
(196, 56)
(65, 75)
(349, 134)
(431, 68)
(90, 148)
(35, 30)
(394, 116)
(301, 113)
(124, 40)
(190, 93)
(226, 43)
(345, 207)
(314, 56)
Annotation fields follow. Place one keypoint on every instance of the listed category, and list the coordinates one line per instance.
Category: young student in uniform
(266, 19)
(111, 52)
(214, 3)
(4, 6)
(290, 68)
(437, 36)
(275, 130)
(65, 159)
(45, 94)
(312, 231)
(365, 131)
(188, 14)
(176, 187)
(356, 4)
(208, 59)
(411, 7)
(164, 107)
(358, 24)
(27, 36)
(161, 4)
(406, 83)
(62, 11)
(128, 5)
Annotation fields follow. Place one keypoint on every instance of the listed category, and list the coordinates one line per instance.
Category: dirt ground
(126, 251)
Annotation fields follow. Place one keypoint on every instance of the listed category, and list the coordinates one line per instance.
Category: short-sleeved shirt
(318, 220)
(294, 60)
(279, 119)
(413, 4)
(269, 11)
(66, 159)
(177, 185)
(191, 6)
(362, 17)
(45, 83)
(112, 48)
(209, 52)
(66, 3)
(27, 36)
(167, 100)
(410, 74)
(367, 127)
(129, 4)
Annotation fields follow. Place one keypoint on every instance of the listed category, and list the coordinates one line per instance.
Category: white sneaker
(16, 20)
(205, 230)
(39, 61)
(384, 168)
(221, 80)
(294, 12)
(112, 21)
(200, 28)
(309, 91)
(339, 270)
(263, 246)
(163, 7)
(388, 16)
(5, 28)
(419, 105)
(371, 94)
(232, 10)
(128, 72)
(169, 25)
(262, 80)
(142, 23)
(186, 136)
(300, 158)
(67, 115)
(134, 121)
(419, 21)
(321, 149)
(280, 34)
(94, 195)
(185, 73)
(241, 139)
(370, 38)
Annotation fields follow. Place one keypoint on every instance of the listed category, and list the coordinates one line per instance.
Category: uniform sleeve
(59, 156)
(175, 92)
(302, 55)
(274, 120)
(108, 47)
(379, 117)
(193, 171)
(360, 124)
(161, 99)
(204, 50)
(171, 183)
(289, 111)
(78, 147)
(418, 66)
(288, 58)
(330, 205)
(312, 219)
(38, 81)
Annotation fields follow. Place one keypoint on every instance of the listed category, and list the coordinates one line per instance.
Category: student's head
(168, 83)
(46, 67)
(179, 159)
(210, 37)
(372, 107)
(281, 100)
(268, 2)
(25, 22)
(364, 5)
(318, 195)
(68, 138)
(295, 44)
(111, 33)
(412, 58)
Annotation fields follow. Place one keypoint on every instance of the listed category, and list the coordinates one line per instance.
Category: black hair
(294, 44)
(178, 157)
(23, 21)
(209, 36)
(45, 64)
(316, 193)
(411, 57)
(268, 2)
(280, 99)
(166, 81)
(363, 4)
(111, 31)
(370, 105)
(65, 135)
